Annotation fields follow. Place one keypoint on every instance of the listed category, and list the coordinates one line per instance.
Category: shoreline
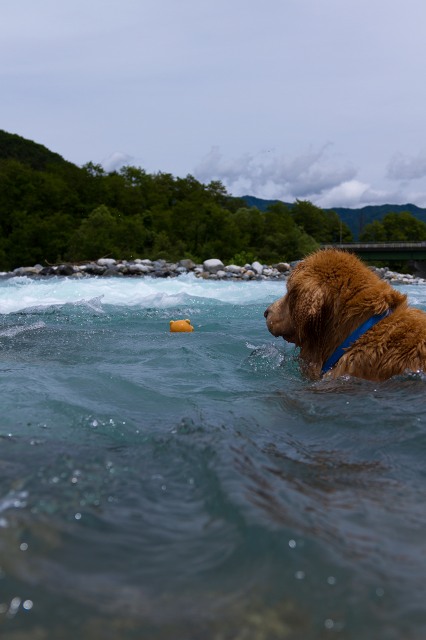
(213, 269)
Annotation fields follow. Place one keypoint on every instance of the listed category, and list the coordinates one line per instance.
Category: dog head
(329, 294)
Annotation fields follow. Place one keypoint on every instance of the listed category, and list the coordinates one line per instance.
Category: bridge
(385, 251)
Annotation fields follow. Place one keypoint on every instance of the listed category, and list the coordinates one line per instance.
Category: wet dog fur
(329, 295)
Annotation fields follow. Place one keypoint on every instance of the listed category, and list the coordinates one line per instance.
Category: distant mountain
(356, 219)
(259, 203)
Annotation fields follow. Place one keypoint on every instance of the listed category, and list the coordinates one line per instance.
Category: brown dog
(347, 321)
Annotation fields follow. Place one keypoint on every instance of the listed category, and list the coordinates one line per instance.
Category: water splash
(13, 500)
(11, 332)
(18, 294)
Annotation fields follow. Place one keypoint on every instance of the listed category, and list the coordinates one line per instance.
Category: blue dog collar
(353, 337)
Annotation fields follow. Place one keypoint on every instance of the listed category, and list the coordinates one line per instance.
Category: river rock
(233, 268)
(65, 270)
(213, 265)
(112, 272)
(25, 271)
(257, 268)
(47, 271)
(93, 269)
(106, 262)
(213, 269)
(282, 267)
(187, 264)
(138, 269)
(270, 272)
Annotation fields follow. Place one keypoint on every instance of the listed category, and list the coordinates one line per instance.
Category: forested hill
(14, 147)
(52, 211)
(356, 219)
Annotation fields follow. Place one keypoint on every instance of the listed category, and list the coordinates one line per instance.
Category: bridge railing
(377, 245)
(383, 251)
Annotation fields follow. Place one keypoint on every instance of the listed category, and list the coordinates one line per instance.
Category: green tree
(403, 227)
(284, 239)
(37, 238)
(251, 228)
(338, 231)
(95, 237)
(396, 227)
(323, 226)
(311, 219)
(373, 232)
(108, 232)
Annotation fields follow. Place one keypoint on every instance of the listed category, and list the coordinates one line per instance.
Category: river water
(195, 486)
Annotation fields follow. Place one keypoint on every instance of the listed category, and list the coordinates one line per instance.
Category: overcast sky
(315, 99)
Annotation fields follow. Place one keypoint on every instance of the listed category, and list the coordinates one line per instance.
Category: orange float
(181, 326)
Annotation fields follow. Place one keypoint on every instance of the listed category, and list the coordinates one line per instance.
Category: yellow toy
(181, 326)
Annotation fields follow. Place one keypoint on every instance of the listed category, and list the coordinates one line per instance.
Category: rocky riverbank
(213, 269)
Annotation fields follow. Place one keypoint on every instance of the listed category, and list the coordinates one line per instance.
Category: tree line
(53, 211)
(60, 212)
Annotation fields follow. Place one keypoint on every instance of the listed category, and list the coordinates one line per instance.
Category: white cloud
(417, 197)
(403, 167)
(270, 175)
(352, 193)
(116, 160)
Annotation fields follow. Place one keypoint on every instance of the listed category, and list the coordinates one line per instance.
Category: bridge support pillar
(419, 268)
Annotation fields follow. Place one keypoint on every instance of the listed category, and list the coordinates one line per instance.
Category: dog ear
(312, 310)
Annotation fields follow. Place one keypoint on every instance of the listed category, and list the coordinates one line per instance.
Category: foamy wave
(24, 294)
(416, 295)
(11, 332)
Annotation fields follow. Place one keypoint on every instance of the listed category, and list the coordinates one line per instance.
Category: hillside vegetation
(53, 211)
